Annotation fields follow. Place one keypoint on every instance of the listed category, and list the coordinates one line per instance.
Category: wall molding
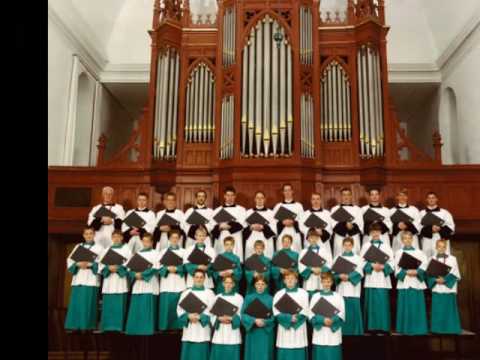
(414, 73)
(460, 40)
(125, 73)
(87, 48)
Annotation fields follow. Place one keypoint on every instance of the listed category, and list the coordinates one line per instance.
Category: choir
(303, 271)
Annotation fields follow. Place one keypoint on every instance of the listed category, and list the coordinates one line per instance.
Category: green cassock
(266, 275)
(142, 314)
(237, 273)
(376, 310)
(259, 342)
(323, 352)
(411, 309)
(275, 271)
(82, 308)
(445, 318)
(353, 324)
(114, 306)
(195, 351)
(167, 310)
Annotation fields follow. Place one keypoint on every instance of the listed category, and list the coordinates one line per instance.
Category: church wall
(461, 136)
(60, 62)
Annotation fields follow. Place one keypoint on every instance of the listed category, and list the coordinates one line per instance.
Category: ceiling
(133, 96)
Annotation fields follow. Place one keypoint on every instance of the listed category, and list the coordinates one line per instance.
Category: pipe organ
(200, 105)
(165, 131)
(263, 81)
(336, 119)
(370, 108)
(267, 95)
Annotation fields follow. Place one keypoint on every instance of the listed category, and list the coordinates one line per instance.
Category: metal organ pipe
(162, 124)
(267, 44)
(157, 107)
(258, 81)
(243, 120)
(335, 104)
(378, 85)
(251, 89)
(289, 100)
(199, 114)
(175, 106)
(360, 100)
(267, 91)
(229, 37)
(370, 102)
(166, 107)
(283, 97)
(275, 90)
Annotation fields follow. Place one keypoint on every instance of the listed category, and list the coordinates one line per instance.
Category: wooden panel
(72, 196)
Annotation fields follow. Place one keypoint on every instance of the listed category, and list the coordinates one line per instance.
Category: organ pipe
(267, 115)
(335, 104)
(199, 114)
(166, 107)
(370, 102)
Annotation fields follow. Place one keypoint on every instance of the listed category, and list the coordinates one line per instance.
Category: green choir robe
(411, 309)
(142, 313)
(168, 301)
(114, 306)
(445, 318)
(376, 309)
(259, 341)
(82, 308)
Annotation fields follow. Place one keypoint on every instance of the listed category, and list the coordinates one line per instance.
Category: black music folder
(437, 268)
(256, 218)
(223, 216)
(192, 304)
(343, 266)
(171, 259)
(312, 259)
(198, 257)
(103, 211)
(222, 263)
(138, 263)
(409, 262)
(283, 213)
(133, 220)
(83, 254)
(400, 216)
(375, 255)
(222, 307)
(313, 221)
(287, 305)
(112, 258)
(372, 216)
(342, 215)
(431, 219)
(254, 263)
(167, 220)
(282, 260)
(324, 308)
(196, 218)
(258, 310)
